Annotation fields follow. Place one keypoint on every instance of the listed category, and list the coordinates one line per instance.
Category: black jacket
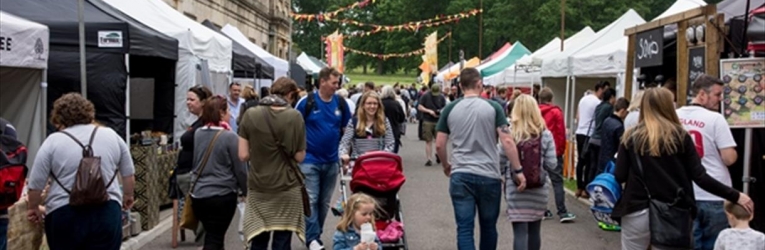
(395, 114)
(611, 134)
(663, 176)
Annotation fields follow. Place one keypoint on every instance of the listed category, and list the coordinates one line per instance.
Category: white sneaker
(315, 245)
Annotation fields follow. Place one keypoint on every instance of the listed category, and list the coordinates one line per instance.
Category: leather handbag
(671, 225)
(293, 165)
(188, 218)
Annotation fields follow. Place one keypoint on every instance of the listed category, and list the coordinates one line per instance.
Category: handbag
(188, 218)
(586, 147)
(671, 225)
(293, 167)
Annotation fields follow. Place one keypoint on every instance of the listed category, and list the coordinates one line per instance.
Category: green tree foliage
(533, 22)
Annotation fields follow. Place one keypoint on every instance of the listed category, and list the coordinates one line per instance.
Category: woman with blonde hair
(634, 110)
(659, 149)
(368, 131)
(526, 208)
(251, 99)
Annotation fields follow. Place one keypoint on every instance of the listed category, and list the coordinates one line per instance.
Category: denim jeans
(3, 234)
(710, 221)
(556, 177)
(215, 214)
(98, 227)
(470, 193)
(320, 182)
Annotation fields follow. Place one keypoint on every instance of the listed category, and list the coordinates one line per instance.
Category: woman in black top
(669, 161)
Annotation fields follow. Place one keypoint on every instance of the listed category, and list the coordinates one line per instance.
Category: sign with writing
(744, 92)
(649, 48)
(110, 39)
(696, 67)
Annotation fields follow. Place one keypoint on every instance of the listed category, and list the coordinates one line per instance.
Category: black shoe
(548, 215)
(438, 160)
(429, 163)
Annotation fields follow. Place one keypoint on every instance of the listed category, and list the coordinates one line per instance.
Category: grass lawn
(569, 184)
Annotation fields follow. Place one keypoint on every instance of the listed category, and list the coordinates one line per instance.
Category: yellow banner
(431, 51)
(335, 50)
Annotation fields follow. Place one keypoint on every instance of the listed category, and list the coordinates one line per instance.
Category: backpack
(310, 105)
(530, 156)
(13, 168)
(88, 188)
(604, 191)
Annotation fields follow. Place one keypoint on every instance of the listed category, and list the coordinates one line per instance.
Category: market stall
(23, 85)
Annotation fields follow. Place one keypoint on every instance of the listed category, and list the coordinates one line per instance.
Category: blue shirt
(233, 108)
(322, 128)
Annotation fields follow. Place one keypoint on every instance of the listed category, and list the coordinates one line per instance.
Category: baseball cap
(435, 89)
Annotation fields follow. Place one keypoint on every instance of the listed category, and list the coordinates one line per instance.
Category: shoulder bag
(671, 225)
(293, 166)
(188, 218)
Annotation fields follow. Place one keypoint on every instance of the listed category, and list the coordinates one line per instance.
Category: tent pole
(83, 68)
(127, 99)
(44, 101)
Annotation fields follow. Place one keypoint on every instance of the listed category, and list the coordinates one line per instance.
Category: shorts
(428, 131)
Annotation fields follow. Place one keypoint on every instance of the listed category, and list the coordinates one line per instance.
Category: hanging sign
(649, 48)
(110, 39)
(744, 92)
(696, 67)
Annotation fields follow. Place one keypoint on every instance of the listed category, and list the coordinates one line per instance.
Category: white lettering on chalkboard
(698, 62)
(648, 48)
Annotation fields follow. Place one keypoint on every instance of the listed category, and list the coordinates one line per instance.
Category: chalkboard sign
(649, 48)
(696, 66)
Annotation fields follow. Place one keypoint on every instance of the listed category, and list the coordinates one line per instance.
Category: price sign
(649, 48)
(744, 92)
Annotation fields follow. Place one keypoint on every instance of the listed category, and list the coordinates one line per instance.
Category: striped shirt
(354, 145)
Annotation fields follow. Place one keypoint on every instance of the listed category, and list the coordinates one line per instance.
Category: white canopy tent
(681, 6)
(198, 46)
(304, 61)
(281, 66)
(22, 79)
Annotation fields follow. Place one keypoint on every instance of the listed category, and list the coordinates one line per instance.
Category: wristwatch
(518, 171)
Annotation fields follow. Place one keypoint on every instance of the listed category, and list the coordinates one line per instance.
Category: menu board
(744, 92)
(696, 68)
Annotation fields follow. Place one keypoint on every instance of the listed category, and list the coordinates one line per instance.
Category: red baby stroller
(380, 175)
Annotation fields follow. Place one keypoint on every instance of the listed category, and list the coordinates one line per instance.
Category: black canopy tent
(106, 45)
(153, 55)
(245, 63)
(298, 74)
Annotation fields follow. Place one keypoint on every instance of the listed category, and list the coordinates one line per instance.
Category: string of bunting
(327, 15)
(410, 26)
(395, 55)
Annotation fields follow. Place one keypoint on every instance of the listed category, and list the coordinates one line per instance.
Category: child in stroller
(379, 175)
(355, 230)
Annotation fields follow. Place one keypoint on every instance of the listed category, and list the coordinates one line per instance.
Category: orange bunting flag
(334, 48)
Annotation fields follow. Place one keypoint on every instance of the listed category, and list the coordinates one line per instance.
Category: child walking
(739, 236)
(359, 209)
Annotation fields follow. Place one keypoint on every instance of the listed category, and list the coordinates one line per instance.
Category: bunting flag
(335, 50)
(324, 16)
(394, 55)
(410, 26)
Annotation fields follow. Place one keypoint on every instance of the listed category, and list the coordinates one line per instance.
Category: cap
(435, 89)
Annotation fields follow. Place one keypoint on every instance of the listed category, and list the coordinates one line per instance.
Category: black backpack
(13, 168)
(310, 106)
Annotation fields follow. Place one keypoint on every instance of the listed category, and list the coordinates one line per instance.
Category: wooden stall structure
(712, 46)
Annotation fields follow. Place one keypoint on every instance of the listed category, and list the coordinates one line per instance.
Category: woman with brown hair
(250, 100)
(659, 149)
(272, 137)
(67, 226)
(368, 131)
(218, 174)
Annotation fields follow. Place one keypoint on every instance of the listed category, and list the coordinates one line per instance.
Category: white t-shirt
(740, 239)
(710, 133)
(586, 112)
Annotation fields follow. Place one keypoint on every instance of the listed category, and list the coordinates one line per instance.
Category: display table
(152, 170)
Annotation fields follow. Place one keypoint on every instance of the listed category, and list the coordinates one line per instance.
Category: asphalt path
(429, 217)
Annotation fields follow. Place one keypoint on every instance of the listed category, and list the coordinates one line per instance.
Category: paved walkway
(429, 217)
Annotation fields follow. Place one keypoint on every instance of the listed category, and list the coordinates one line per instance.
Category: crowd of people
(280, 153)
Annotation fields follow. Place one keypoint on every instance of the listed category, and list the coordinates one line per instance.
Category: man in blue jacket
(326, 115)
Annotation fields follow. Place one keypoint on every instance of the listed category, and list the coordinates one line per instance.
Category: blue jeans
(97, 227)
(3, 234)
(469, 192)
(320, 181)
(710, 220)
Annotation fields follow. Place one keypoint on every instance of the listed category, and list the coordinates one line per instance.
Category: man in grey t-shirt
(475, 178)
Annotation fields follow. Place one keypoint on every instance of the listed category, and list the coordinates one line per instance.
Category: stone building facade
(265, 22)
